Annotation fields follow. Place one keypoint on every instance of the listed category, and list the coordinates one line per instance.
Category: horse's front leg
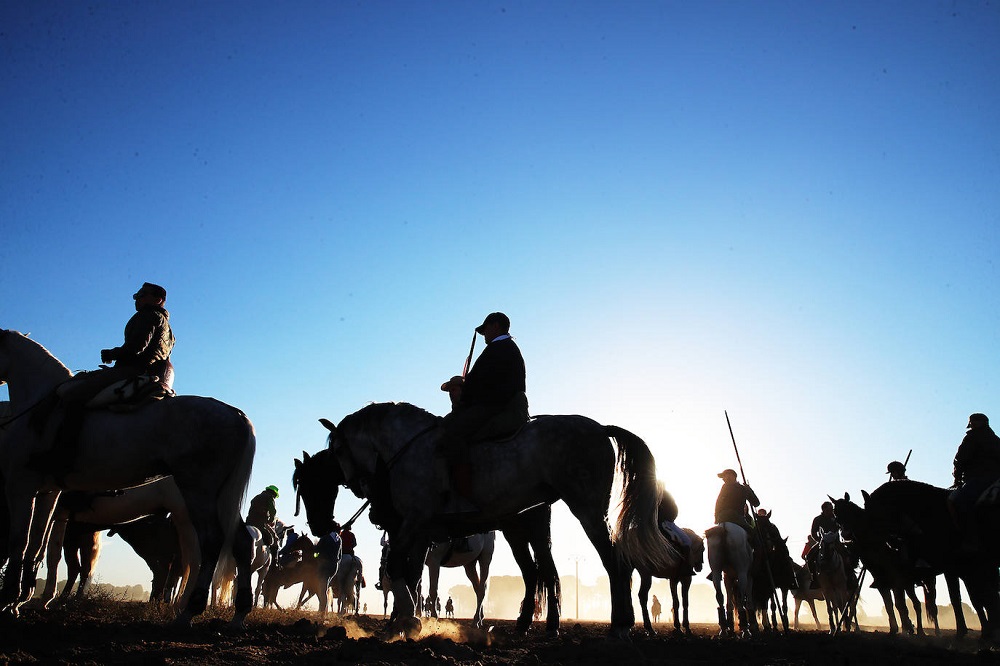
(686, 598)
(52, 559)
(405, 566)
(38, 531)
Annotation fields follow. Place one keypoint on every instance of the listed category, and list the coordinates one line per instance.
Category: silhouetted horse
(770, 572)
(206, 445)
(385, 452)
(917, 514)
(893, 574)
(528, 534)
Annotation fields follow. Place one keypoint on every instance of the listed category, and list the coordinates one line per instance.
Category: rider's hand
(107, 355)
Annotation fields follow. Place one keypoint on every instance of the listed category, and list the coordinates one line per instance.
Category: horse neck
(34, 372)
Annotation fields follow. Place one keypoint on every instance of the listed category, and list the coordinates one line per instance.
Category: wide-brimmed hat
(499, 318)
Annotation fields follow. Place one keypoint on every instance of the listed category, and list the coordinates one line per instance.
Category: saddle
(990, 496)
(130, 394)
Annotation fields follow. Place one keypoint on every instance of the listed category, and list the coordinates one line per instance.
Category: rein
(389, 463)
(26, 410)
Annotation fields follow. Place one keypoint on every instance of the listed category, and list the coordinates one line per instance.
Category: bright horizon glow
(786, 212)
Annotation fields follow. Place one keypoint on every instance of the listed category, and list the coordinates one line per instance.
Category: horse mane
(371, 418)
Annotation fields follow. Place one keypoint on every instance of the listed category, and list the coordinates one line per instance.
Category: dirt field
(106, 632)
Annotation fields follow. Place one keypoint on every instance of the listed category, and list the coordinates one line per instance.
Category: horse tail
(234, 491)
(636, 533)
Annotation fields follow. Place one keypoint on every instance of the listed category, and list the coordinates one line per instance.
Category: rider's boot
(454, 484)
(58, 459)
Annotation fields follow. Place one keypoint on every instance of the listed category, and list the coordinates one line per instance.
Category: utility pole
(578, 590)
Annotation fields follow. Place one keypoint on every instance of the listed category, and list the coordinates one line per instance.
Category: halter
(389, 463)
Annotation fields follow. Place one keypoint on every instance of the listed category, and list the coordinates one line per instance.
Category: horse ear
(865, 495)
(847, 497)
(328, 425)
(305, 456)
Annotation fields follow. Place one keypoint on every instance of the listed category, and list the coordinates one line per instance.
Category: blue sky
(787, 211)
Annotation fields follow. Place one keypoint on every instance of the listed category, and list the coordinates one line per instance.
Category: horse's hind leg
(529, 574)
(645, 582)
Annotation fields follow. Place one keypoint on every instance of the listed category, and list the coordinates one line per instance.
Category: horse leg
(52, 559)
(90, 552)
(37, 533)
(645, 582)
(720, 601)
(686, 600)
(890, 613)
(619, 572)
(529, 574)
(675, 604)
(955, 596)
(812, 607)
(433, 575)
(911, 592)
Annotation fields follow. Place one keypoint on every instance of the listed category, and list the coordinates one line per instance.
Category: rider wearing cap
(731, 505)
(976, 467)
(262, 514)
(146, 350)
(489, 401)
(896, 471)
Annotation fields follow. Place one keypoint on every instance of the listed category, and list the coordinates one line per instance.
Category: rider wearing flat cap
(731, 505)
(490, 401)
(146, 350)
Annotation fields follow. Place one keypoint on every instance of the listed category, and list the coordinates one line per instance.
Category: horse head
(317, 480)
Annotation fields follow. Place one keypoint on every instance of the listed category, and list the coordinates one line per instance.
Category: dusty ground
(108, 632)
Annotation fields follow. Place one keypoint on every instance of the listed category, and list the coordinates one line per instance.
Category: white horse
(260, 564)
(478, 550)
(729, 557)
(206, 445)
(104, 510)
(347, 583)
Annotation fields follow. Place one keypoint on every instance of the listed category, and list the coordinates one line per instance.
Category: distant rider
(263, 514)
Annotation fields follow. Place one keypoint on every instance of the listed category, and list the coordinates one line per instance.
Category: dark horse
(893, 573)
(385, 452)
(528, 534)
(917, 515)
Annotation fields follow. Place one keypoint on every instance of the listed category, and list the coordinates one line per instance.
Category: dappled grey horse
(385, 452)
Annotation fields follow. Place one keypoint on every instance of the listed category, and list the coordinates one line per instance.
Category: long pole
(761, 537)
(468, 360)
